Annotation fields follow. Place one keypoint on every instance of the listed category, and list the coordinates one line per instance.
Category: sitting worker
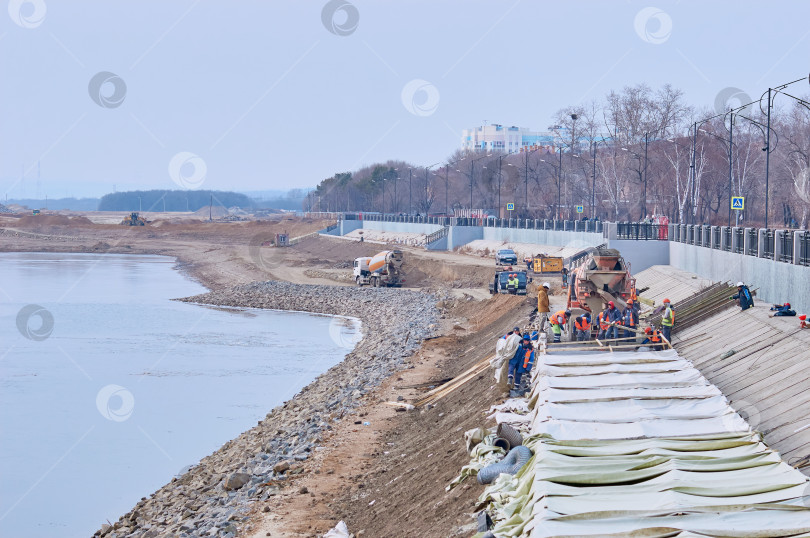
(630, 319)
(614, 319)
(652, 337)
(583, 326)
(558, 322)
(743, 296)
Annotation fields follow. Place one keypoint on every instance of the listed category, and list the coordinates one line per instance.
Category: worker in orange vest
(583, 326)
(558, 321)
(630, 319)
(614, 319)
(604, 324)
(652, 336)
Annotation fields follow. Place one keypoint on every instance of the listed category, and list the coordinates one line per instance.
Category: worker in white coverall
(505, 349)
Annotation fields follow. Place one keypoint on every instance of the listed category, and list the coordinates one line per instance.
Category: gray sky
(256, 95)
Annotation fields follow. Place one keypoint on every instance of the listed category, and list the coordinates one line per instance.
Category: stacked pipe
(699, 306)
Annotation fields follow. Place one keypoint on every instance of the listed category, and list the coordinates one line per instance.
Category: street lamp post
(410, 189)
(396, 200)
(730, 167)
(776, 91)
(767, 156)
(447, 189)
(644, 200)
(427, 169)
(526, 177)
(500, 158)
(472, 178)
(559, 184)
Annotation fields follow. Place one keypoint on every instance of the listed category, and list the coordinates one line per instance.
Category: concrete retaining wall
(777, 282)
(642, 254)
(402, 227)
(347, 226)
(551, 238)
(458, 236)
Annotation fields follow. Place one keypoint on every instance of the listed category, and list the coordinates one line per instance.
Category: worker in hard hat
(743, 296)
(667, 320)
(604, 324)
(630, 316)
(582, 324)
(558, 321)
(652, 337)
(512, 284)
(542, 305)
(614, 318)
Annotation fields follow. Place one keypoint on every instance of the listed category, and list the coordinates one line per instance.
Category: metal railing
(786, 246)
(768, 244)
(737, 240)
(752, 236)
(642, 231)
(738, 234)
(438, 234)
(589, 226)
(804, 248)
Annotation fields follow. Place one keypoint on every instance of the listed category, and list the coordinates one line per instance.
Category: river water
(108, 389)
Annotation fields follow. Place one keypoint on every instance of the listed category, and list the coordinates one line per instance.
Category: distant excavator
(133, 219)
(604, 276)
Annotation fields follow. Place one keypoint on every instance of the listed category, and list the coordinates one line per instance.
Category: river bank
(213, 497)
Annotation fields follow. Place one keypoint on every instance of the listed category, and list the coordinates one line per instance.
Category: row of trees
(630, 154)
(171, 200)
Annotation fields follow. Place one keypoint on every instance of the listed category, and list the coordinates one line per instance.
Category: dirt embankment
(384, 472)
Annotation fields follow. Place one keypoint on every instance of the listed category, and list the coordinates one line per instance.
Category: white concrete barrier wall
(776, 282)
(642, 254)
(405, 227)
(553, 238)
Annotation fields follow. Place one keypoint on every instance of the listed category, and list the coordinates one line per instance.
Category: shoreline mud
(214, 497)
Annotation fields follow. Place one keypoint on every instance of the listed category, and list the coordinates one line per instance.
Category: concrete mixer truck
(382, 269)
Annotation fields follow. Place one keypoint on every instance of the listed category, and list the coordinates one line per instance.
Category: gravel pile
(212, 498)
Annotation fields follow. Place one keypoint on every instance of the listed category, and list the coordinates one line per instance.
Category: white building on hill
(497, 137)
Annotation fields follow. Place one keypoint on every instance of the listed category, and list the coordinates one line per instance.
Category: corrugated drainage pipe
(502, 443)
(511, 464)
(505, 431)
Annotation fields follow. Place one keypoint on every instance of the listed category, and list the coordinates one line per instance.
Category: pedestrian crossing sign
(580, 209)
(738, 202)
(510, 206)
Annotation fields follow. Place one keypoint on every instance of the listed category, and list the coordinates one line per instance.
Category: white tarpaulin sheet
(642, 443)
